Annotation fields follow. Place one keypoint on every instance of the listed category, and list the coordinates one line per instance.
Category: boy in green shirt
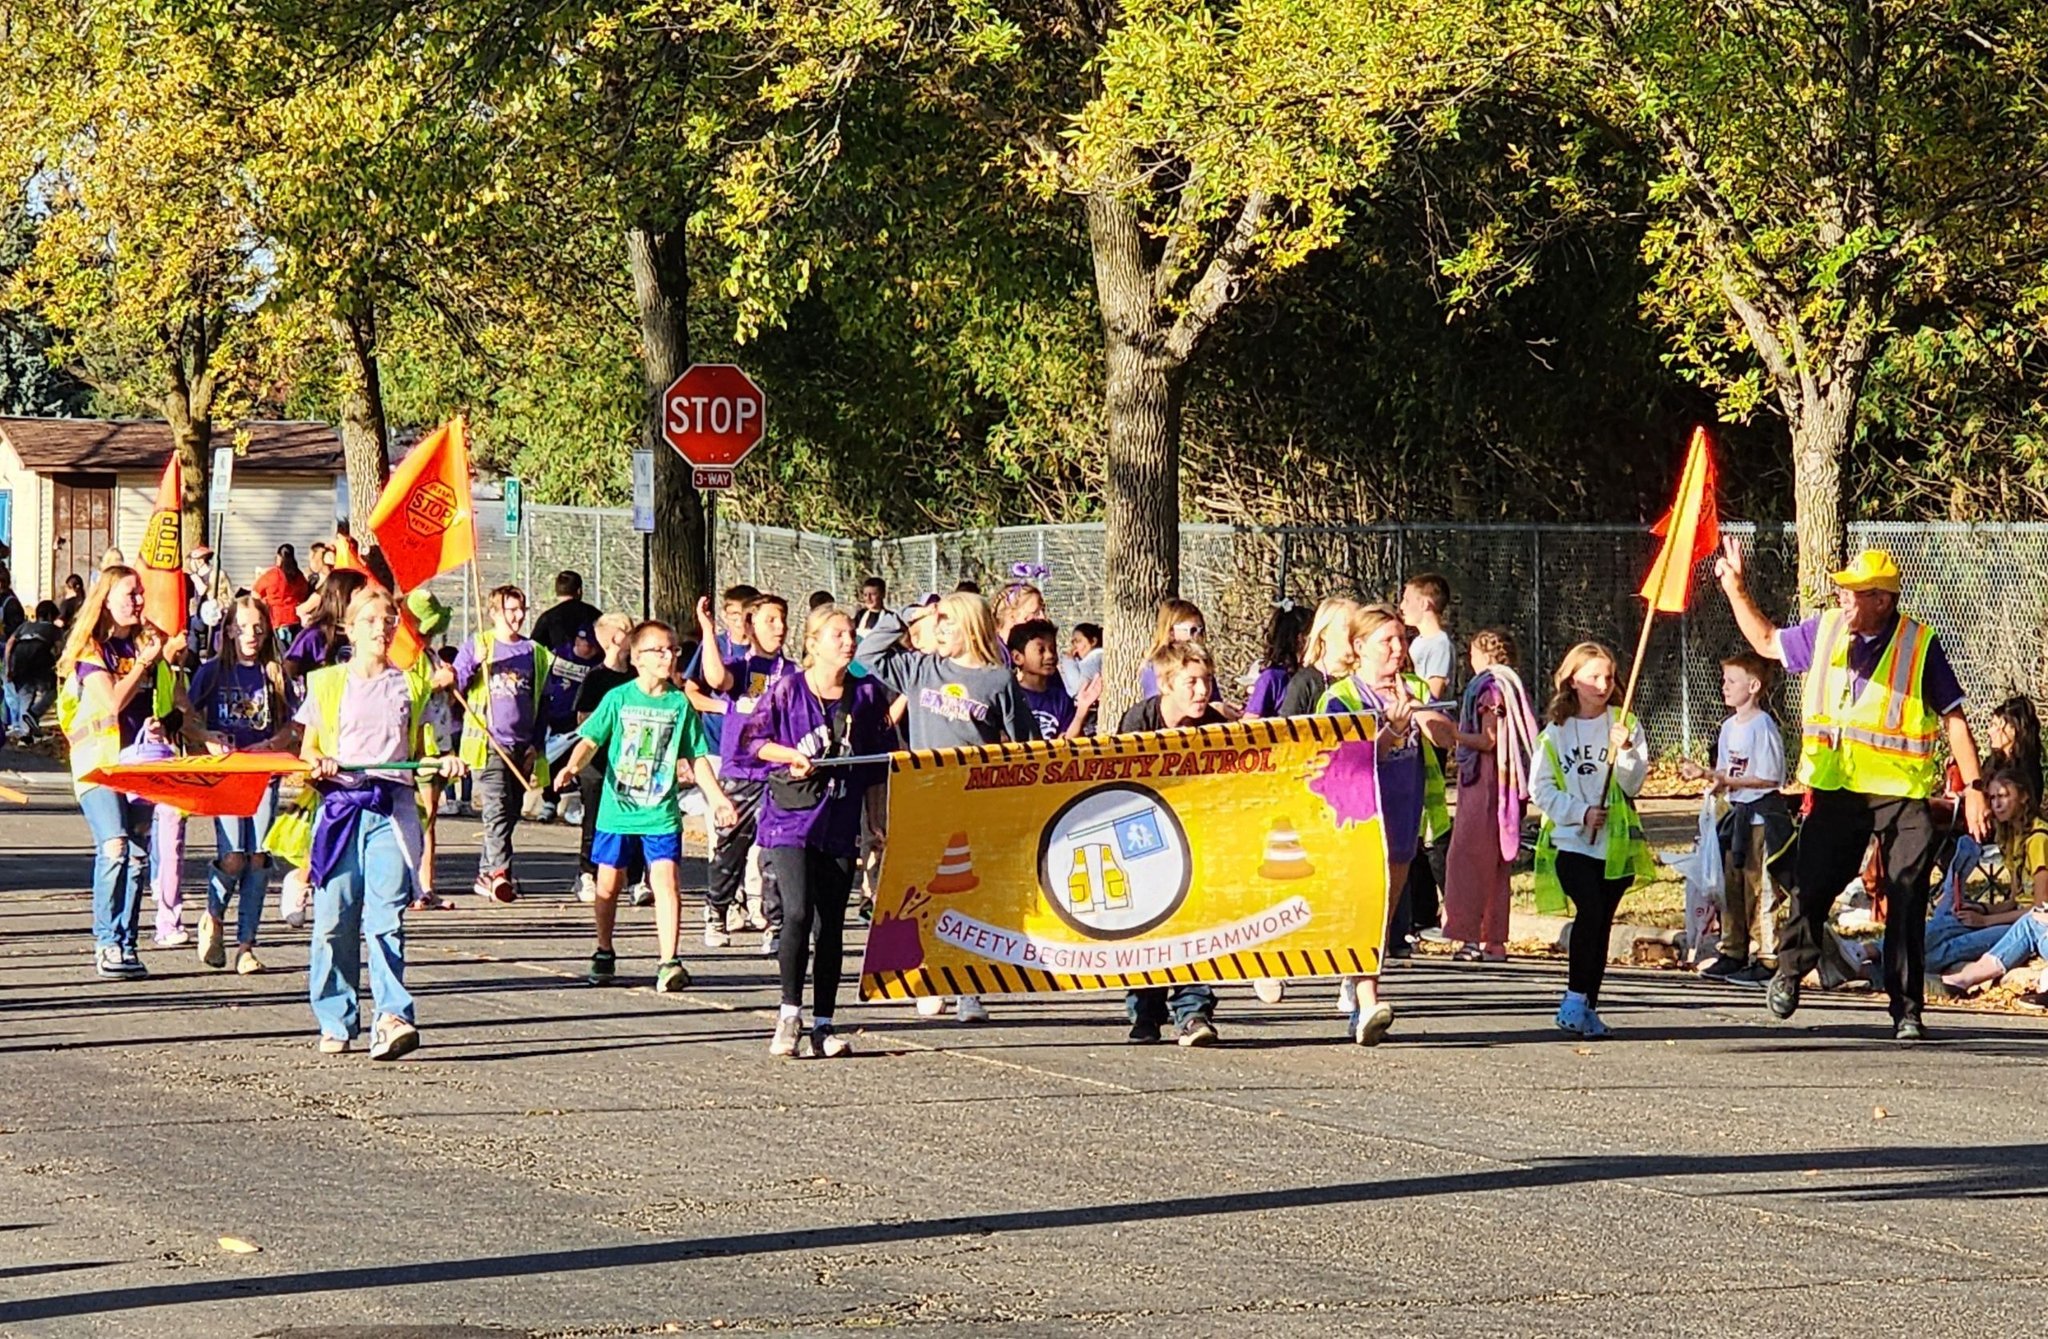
(646, 728)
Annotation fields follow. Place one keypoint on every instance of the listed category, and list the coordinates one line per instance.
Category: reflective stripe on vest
(1882, 741)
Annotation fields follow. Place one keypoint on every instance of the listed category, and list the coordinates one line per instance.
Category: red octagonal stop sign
(713, 415)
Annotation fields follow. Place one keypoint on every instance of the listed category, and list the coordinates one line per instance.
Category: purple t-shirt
(1267, 691)
(235, 700)
(310, 648)
(1052, 708)
(1401, 779)
(514, 722)
(117, 658)
(1939, 687)
(750, 680)
(792, 715)
(1148, 681)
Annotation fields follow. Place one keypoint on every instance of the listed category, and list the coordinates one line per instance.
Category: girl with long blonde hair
(810, 819)
(112, 677)
(960, 695)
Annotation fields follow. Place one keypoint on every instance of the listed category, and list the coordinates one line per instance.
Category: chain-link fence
(1984, 587)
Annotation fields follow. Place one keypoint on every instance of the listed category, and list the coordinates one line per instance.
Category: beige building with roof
(71, 488)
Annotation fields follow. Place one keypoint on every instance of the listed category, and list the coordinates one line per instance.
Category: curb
(1621, 941)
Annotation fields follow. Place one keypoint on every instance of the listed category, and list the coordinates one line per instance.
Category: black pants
(812, 887)
(1420, 906)
(729, 853)
(1832, 843)
(1594, 900)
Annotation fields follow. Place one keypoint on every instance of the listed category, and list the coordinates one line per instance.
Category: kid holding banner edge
(1376, 685)
(810, 819)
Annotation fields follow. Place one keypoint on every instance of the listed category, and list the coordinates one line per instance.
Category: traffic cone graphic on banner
(956, 868)
(1284, 857)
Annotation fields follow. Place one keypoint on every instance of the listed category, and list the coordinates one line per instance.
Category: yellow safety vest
(94, 736)
(476, 746)
(1627, 850)
(291, 833)
(1879, 742)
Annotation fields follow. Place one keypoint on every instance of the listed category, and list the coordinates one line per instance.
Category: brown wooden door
(82, 525)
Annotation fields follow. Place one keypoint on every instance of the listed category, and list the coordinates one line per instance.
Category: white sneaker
(572, 810)
(972, 1010)
(788, 1029)
(450, 806)
(1271, 990)
(1347, 997)
(931, 1006)
(586, 888)
(643, 894)
(177, 938)
(771, 943)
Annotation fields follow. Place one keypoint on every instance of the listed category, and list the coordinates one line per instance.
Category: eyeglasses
(1191, 631)
(658, 651)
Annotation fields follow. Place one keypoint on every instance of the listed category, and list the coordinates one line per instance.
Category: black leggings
(1595, 898)
(813, 888)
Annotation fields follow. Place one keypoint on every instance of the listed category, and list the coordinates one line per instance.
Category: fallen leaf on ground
(238, 1246)
(1878, 1113)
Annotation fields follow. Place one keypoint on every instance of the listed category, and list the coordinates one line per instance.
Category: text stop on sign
(713, 415)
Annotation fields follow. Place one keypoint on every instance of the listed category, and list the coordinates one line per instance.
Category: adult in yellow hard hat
(1878, 694)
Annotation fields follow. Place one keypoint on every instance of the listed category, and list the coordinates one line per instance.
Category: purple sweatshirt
(751, 677)
(792, 715)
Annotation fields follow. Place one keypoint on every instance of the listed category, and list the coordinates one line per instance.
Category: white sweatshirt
(1582, 746)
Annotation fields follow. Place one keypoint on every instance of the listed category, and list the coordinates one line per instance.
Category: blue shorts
(618, 850)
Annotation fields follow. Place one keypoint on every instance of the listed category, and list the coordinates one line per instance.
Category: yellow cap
(1872, 570)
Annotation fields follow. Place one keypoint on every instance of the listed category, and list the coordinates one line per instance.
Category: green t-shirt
(643, 738)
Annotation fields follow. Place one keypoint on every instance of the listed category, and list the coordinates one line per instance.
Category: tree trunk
(661, 286)
(1143, 391)
(1821, 432)
(364, 440)
(192, 438)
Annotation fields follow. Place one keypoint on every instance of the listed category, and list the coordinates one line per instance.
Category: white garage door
(264, 511)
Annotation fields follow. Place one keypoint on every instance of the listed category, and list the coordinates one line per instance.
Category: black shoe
(1723, 967)
(1783, 996)
(1756, 974)
(604, 966)
(1142, 1034)
(1908, 1029)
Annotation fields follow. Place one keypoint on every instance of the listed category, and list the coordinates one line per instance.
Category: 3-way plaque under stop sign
(713, 415)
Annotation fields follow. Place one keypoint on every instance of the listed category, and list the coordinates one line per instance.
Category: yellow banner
(1221, 853)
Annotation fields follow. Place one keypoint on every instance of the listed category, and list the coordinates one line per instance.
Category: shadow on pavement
(2001, 1171)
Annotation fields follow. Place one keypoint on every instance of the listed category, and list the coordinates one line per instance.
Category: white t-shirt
(1752, 748)
(1581, 747)
(1434, 656)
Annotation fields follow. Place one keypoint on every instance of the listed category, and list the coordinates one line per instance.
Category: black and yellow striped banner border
(991, 978)
(1263, 733)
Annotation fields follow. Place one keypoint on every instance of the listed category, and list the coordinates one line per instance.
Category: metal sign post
(643, 521)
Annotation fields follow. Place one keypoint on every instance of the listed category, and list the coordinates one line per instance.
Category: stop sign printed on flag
(713, 415)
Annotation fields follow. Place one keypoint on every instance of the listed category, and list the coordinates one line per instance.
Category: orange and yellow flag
(161, 556)
(407, 643)
(1691, 530)
(424, 521)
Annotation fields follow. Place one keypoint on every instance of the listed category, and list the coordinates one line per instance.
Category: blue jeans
(1152, 1004)
(1950, 943)
(2022, 942)
(364, 900)
(241, 868)
(120, 864)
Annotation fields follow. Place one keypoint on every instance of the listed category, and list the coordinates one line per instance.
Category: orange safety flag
(1691, 530)
(161, 556)
(425, 521)
(229, 786)
(407, 643)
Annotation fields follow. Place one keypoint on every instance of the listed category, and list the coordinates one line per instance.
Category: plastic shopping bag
(1705, 879)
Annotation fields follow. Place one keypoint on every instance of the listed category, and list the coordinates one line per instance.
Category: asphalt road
(561, 1159)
